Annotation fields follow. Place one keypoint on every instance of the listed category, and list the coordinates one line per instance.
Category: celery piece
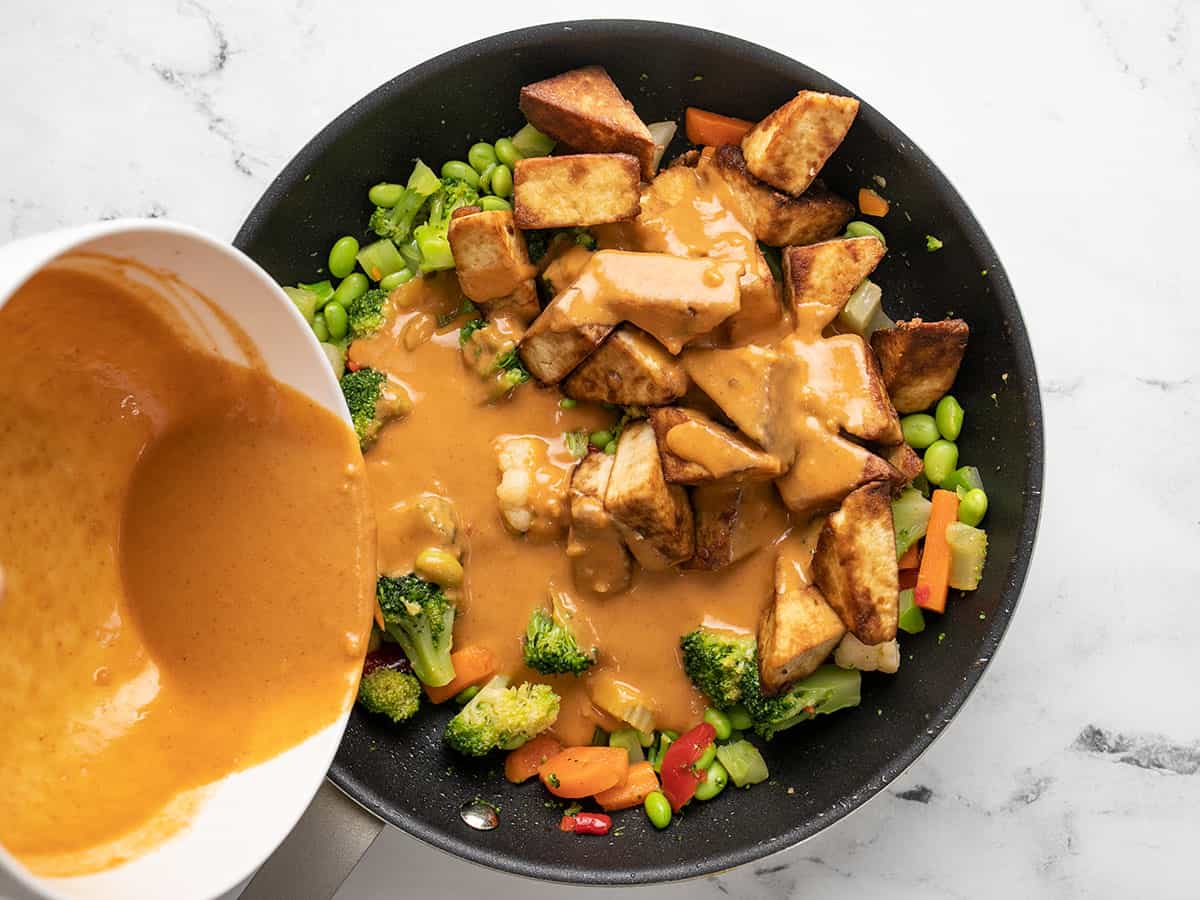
(665, 739)
(880, 322)
(411, 254)
(323, 290)
(627, 739)
(380, 259)
(435, 249)
(860, 309)
(743, 762)
(912, 620)
(306, 301)
(423, 180)
(966, 477)
(968, 552)
(599, 737)
(910, 515)
(531, 142)
(646, 738)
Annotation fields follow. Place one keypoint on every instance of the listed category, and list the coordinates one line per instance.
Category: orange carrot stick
(710, 129)
(871, 204)
(639, 782)
(523, 763)
(911, 558)
(579, 772)
(934, 575)
(472, 665)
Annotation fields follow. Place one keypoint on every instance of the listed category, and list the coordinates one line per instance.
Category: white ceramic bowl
(247, 814)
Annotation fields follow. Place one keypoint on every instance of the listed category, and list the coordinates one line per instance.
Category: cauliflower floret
(533, 487)
(852, 653)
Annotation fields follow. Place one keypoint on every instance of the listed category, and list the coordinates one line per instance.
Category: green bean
(864, 229)
(507, 152)
(319, 328)
(341, 256)
(502, 181)
(493, 204)
(920, 430)
(393, 281)
(485, 177)
(720, 722)
(600, 439)
(658, 809)
(940, 460)
(352, 287)
(972, 507)
(456, 168)
(481, 155)
(714, 782)
(706, 758)
(385, 194)
(336, 320)
(567, 403)
(949, 417)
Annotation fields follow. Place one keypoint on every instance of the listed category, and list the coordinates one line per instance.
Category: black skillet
(835, 763)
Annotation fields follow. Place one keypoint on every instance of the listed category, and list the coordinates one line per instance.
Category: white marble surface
(1073, 129)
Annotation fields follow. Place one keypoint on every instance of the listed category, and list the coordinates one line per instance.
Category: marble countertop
(1073, 129)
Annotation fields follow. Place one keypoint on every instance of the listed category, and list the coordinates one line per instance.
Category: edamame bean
(706, 758)
(600, 439)
(567, 403)
(342, 256)
(481, 155)
(972, 507)
(385, 194)
(610, 448)
(507, 152)
(739, 717)
(658, 809)
(502, 181)
(456, 168)
(439, 566)
(393, 281)
(920, 430)
(949, 417)
(485, 177)
(714, 782)
(336, 320)
(864, 229)
(492, 204)
(352, 287)
(319, 328)
(940, 460)
(720, 722)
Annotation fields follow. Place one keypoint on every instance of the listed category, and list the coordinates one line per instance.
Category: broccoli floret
(537, 242)
(824, 691)
(464, 333)
(717, 662)
(365, 313)
(500, 717)
(551, 648)
(398, 222)
(421, 620)
(512, 371)
(371, 402)
(396, 695)
(431, 237)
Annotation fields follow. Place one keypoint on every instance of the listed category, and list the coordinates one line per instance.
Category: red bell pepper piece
(679, 777)
(586, 823)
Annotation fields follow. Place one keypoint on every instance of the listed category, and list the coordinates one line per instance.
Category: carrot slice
(639, 781)
(472, 665)
(711, 129)
(523, 763)
(871, 204)
(579, 772)
(911, 558)
(934, 575)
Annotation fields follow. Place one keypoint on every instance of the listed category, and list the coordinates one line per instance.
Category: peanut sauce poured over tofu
(188, 566)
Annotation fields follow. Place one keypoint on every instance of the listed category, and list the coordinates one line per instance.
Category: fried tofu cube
(920, 360)
(819, 279)
(788, 148)
(600, 561)
(654, 517)
(779, 219)
(490, 256)
(797, 632)
(855, 564)
(739, 381)
(905, 461)
(568, 191)
(695, 449)
(550, 355)
(821, 478)
(585, 110)
(629, 369)
(733, 520)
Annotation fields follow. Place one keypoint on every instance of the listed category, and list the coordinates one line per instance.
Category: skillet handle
(322, 850)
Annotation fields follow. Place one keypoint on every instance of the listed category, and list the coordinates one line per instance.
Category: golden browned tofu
(629, 369)
(819, 279)
(823, 474)
(779, 219)
(599, 560)
(695, 449)
(788, 148)
(655, 517)
(797, 632)
(920, 360)
(855, 564)
(568, 191)
(733, 520)
(549, 355)
(490, 256)
(585, 110)
(739, 381)
(905, 461)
